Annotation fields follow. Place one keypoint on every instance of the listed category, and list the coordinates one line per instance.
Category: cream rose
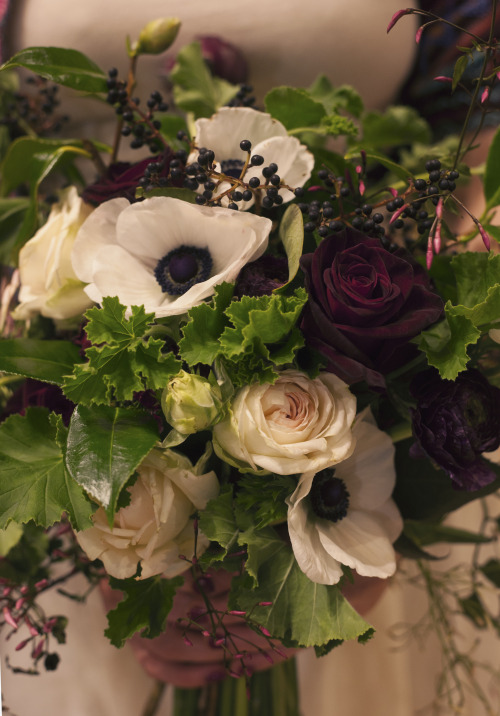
(48, 283)
(156, 527)
(293, 426)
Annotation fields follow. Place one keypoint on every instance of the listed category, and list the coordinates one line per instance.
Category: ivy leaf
(49, 361)
(35, 483)
(105, 446)
(200, 343)
(294, 108)
(145, 608)
(302, 612)
(66, 67)
(125, 362)
(195, 89)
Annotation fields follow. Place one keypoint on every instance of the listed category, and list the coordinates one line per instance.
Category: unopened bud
(157, 36)
(191, 403)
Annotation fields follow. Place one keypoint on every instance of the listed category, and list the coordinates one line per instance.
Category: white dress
(285, 42)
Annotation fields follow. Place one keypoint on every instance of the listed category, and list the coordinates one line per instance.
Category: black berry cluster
(243, 98)
(36, 109)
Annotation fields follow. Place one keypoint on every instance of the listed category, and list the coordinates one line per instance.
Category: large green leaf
(105, 446)
(302, 612)
(145, 608)
(294, 108)
(70, 68)
(445, 344)
(492, 170)
(202, 332)
(49, 361)
(396, 126)
(34, 481)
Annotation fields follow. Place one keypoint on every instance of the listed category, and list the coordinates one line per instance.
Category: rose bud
(157, 36)
(191, 403)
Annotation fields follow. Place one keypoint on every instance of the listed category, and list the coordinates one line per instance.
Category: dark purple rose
(122, 179)
(365, 304)
(455, 422)
(261, 277)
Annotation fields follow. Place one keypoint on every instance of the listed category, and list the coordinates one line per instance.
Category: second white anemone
(163, 253)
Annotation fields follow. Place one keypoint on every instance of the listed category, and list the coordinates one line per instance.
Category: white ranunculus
(223, 132)
(156, 527)
(293, 426)
(119, 247)
(49, 285)
(363, 537)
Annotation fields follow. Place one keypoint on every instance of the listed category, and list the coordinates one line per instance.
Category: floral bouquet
(247, 363)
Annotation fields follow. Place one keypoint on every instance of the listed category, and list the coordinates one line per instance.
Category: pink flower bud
(437, 238)
(361, 187)
(20, 602)
(442, 78)
(419, 34)
(38, 650)
(187, 641)
(265, 604)
(237, 613)
(429, 255)
(31, 628)
(485, 237)
(49, 625)
(398, 213)
(485, 94)
(394, 192)
(265, 631)
(41, 584)
(9, 618)
(267, 657)
(22, 644)
(439, 208)
(397, 16)
(205, 633)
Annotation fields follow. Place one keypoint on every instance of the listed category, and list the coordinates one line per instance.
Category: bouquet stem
(267, 693)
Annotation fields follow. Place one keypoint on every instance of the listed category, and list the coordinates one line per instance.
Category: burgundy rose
(455, 422)
(365, 304)
(122, 180)
(224, 59)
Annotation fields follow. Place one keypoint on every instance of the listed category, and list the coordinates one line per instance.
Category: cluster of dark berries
(243, 98)
(439, 181)
(142, 127)
(37, 110)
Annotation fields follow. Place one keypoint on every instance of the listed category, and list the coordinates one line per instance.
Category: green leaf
(476, 273)
(396, 126)
(200, 343)
(195, 89)
(445, 344)
(105, 446)
(125, 362)
(491, 183)
(34, 481)
(334, 98)
(302, 612)
(291, 233)
(458, 70)
(145, 608)
(12, 216)
(217, 520)
(473, 609)
(491, 571)
(425, 533)
(9, 537)
(49, 361)
(63, 66)
(265, 499)
(294, 108)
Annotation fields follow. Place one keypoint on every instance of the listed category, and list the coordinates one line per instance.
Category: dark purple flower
(261, 277)
(122, 179)
(224, 59)
(365, 305)
(455, 422)
(35, 393)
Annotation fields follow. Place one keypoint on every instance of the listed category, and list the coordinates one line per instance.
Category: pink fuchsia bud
(437, 238)
(442, 78)
(20, 602)
(498, 75)
(265, 631)
(49, 625)
(485, 94)
(31, 628)
(238, 656)
(280, 653)
(439, 208)
(418, 34)
(361, 187)
(429, 254)
(265, 604)
(6, 591)
(205, 633)
(397, 16)
(41, 584)
(220, 642)
(485, 236)
(9, 619)
(38, 650)
(237, 613)
(22, 644)
(187, 641)
(234, 675)
(394, 192)
(24, 589)
(398, 213)
(267, 657)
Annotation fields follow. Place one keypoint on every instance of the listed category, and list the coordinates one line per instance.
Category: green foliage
(195, 89)
(63, 66)
(263, 497)
(35, 483)
(458, 70)
(491, 571)
(126, 361)
(334, 99)
(302, 612)
(145, 607)
(217, 522)
(200, 343)
(425, 533)
(49, 361)
(27, 558)
(395, 126)
(291, 233)
(9, 537)
(13, 211)
(105, 446)
(492, 173)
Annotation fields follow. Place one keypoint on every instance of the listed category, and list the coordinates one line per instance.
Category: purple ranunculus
(261, 277)
(122, 179)
(455, 422)
(365, 304)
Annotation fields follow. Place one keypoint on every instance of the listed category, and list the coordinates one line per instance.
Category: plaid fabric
(437, 54)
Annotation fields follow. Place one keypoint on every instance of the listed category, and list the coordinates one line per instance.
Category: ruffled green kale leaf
(302, 612)
(67, 67)
(200, 343)
(145, 608)
(126, 360)
(195, 89)
(105, 446)
(35, 483)
(49, 361)
(477, 278)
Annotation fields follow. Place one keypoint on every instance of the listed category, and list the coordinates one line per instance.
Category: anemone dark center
(182, 268)
(232, 167)
(329, 496)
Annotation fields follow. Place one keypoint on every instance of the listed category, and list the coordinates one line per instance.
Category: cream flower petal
(99, 229)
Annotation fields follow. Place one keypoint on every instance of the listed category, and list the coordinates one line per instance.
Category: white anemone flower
(223, 132)
(345, 515)
(163, 253)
